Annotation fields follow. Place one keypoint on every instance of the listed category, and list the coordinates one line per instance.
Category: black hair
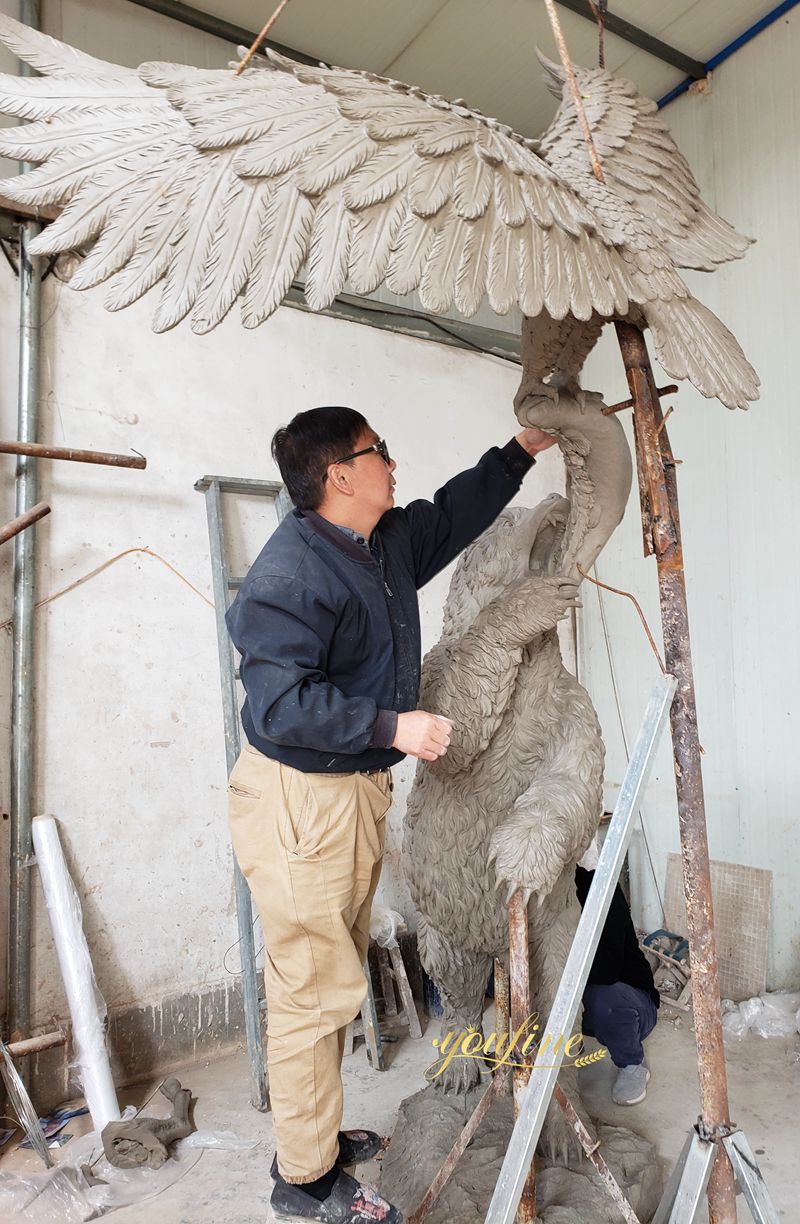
(311, 441)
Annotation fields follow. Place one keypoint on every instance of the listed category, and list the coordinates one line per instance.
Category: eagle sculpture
(218, 186)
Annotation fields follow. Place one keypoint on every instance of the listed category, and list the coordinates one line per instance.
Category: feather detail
(382, 176)
(247, 124)
(56, 180)
(232, 252)
(53, 58)
(187, 266)
(280, 252)
(594, 261)
(450, 139)
(581, 300)
(329, 252)
(334, 161)
(691, 342)
(504, 257)
(374, 233)
(285, 146)
(121, 236)
(473, 265)
(536, 201)
(508, 198)
(473, 185)
(74, 133)
(439, 274)
(556, 277)
(45, 98)
(409, 255)
(431, 185)
(530, 275)
(154, 249)
(93, 206)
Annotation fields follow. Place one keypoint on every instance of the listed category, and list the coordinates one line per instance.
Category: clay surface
(429, 1123)
(145, 1141)
(517, 798)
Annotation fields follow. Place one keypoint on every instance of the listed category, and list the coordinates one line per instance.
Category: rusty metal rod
(519, 977)
(661, 479)
(35, 1045)
(457, 1151)
(40, 451)
(42, 212)
(628, 403)
(590, 1147)
(22, 521)
(502, 1016)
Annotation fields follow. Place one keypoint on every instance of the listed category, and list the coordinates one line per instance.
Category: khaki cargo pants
(310, 847)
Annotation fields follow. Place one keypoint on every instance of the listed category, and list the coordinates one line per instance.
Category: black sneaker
(355, 1147)
(349, 1202)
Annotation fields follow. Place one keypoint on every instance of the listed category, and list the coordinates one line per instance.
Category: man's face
(371, 476)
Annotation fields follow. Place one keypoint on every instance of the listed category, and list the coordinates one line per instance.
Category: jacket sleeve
(463, 508)
(282, 630)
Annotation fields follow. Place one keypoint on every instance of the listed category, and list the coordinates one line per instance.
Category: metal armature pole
(502, 1016)
(21, 800)
(520, 988)
(660, 507)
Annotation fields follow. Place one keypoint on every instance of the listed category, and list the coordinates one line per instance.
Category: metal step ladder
(224, 584)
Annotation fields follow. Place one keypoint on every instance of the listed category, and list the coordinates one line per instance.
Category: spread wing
(223, 187)
(641, 163)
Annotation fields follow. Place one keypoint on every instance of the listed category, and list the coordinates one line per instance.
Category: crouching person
(620, 1002)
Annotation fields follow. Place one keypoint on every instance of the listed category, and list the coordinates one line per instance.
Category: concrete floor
(234, 1186)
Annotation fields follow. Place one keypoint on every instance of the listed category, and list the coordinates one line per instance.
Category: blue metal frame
(730, 49)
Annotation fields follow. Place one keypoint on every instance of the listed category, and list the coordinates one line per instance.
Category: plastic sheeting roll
(86, 1004)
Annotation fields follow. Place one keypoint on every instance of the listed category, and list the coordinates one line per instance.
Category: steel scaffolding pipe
(24, 597)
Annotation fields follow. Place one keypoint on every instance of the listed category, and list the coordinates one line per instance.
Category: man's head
(318, 457)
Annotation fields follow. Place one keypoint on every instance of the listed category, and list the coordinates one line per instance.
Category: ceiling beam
(640, 38)
(218, 27)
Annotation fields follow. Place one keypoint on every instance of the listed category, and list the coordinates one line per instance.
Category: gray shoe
(630, 1086)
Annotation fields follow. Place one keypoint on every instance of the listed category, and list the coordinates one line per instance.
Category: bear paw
(527, 856)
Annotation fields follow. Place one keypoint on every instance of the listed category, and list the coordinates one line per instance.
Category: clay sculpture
(223, 186)
(517, 797)
(141, 1142)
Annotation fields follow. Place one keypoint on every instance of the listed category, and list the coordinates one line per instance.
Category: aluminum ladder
(224, 584)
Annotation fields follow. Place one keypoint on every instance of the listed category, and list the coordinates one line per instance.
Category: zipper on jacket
(386, 586)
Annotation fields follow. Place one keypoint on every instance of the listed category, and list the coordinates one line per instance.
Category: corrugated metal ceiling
(484, 51)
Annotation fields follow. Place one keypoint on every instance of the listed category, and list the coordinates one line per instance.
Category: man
(620, 1003)
(327, 624)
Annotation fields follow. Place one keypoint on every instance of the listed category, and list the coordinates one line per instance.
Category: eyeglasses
(379, 447)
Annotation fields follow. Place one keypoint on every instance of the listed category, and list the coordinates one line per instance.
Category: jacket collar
(334, 536)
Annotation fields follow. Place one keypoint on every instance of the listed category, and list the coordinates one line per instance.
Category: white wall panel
(738, 487)
(129, 750)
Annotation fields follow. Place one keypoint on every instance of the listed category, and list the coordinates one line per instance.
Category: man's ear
(338, 478)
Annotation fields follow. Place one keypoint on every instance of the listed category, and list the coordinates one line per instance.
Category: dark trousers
(620, 1017)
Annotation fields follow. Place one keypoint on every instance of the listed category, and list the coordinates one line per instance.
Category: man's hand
(534, 440)
(422, 735)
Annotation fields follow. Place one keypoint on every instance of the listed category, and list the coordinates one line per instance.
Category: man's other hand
(534, 440)
(422, 735)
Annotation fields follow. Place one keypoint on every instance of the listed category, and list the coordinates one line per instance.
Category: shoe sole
(638, 1099)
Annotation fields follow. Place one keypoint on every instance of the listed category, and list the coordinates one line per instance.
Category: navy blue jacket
(329, 632)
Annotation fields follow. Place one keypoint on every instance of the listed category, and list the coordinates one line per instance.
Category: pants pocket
(242, 791)
(305, 819)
